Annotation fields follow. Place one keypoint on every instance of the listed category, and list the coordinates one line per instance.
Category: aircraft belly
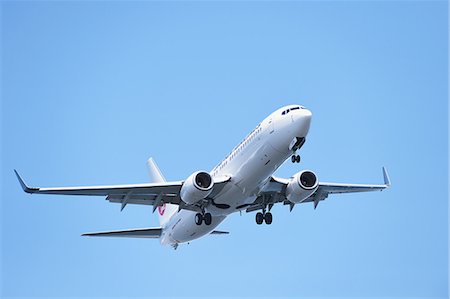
(258, 167)
(233, 197)
(182, 228)
(249, 174)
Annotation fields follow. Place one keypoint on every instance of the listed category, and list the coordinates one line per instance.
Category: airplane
(242, 181)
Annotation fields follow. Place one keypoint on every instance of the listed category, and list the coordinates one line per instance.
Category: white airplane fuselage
(250, 165)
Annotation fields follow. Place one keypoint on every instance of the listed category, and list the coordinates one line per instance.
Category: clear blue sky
(90, 90)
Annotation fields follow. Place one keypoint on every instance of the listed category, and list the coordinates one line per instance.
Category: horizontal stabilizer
(154, 232)
(218, 232)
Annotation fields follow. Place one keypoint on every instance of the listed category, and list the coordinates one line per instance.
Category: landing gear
(259, 218)
(263, 217)
(207, 218)
(200, 218)
(268, 218)
(296, 144)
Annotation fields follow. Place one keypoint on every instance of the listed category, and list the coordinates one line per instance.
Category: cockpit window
(291, 109)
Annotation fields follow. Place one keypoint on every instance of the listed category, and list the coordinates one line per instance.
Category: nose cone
(303, 121)
(306, 113)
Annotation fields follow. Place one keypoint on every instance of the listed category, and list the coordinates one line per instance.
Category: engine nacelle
(302, 186)
(196, 187)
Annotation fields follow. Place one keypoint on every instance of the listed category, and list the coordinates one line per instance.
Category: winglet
(24, 186)
(387, 181)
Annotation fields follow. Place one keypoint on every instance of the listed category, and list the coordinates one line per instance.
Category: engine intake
(203, 181)
(307, 180)
(302, 186)
(196, 187)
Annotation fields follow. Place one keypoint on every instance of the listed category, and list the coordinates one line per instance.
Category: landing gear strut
(295, 158)
(205, 217)
(296, 144)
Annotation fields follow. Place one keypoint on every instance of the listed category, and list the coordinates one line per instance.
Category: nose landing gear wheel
(259, 218)
(295, 159)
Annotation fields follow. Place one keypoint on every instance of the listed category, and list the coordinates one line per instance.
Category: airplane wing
(275, 192)
(142, 194)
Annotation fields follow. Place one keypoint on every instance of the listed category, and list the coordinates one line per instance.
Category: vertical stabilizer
(165, 211)
(154, 172)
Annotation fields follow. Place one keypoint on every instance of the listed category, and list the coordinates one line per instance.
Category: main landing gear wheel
(200, 218)
(259, 218)
(207, 218)
(263, 217)
(268, 218)
(295, 159)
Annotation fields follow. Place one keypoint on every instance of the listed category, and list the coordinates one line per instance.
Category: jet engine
(301, 186)
(196, 187)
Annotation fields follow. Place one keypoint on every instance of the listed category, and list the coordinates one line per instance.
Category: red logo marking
(162, 209)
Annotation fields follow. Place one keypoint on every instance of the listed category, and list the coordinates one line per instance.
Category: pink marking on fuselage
(162, 209)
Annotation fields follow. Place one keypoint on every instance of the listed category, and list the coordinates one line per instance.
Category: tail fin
(166, 211)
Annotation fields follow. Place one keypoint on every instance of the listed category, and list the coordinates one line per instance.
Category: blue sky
(90, 90)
